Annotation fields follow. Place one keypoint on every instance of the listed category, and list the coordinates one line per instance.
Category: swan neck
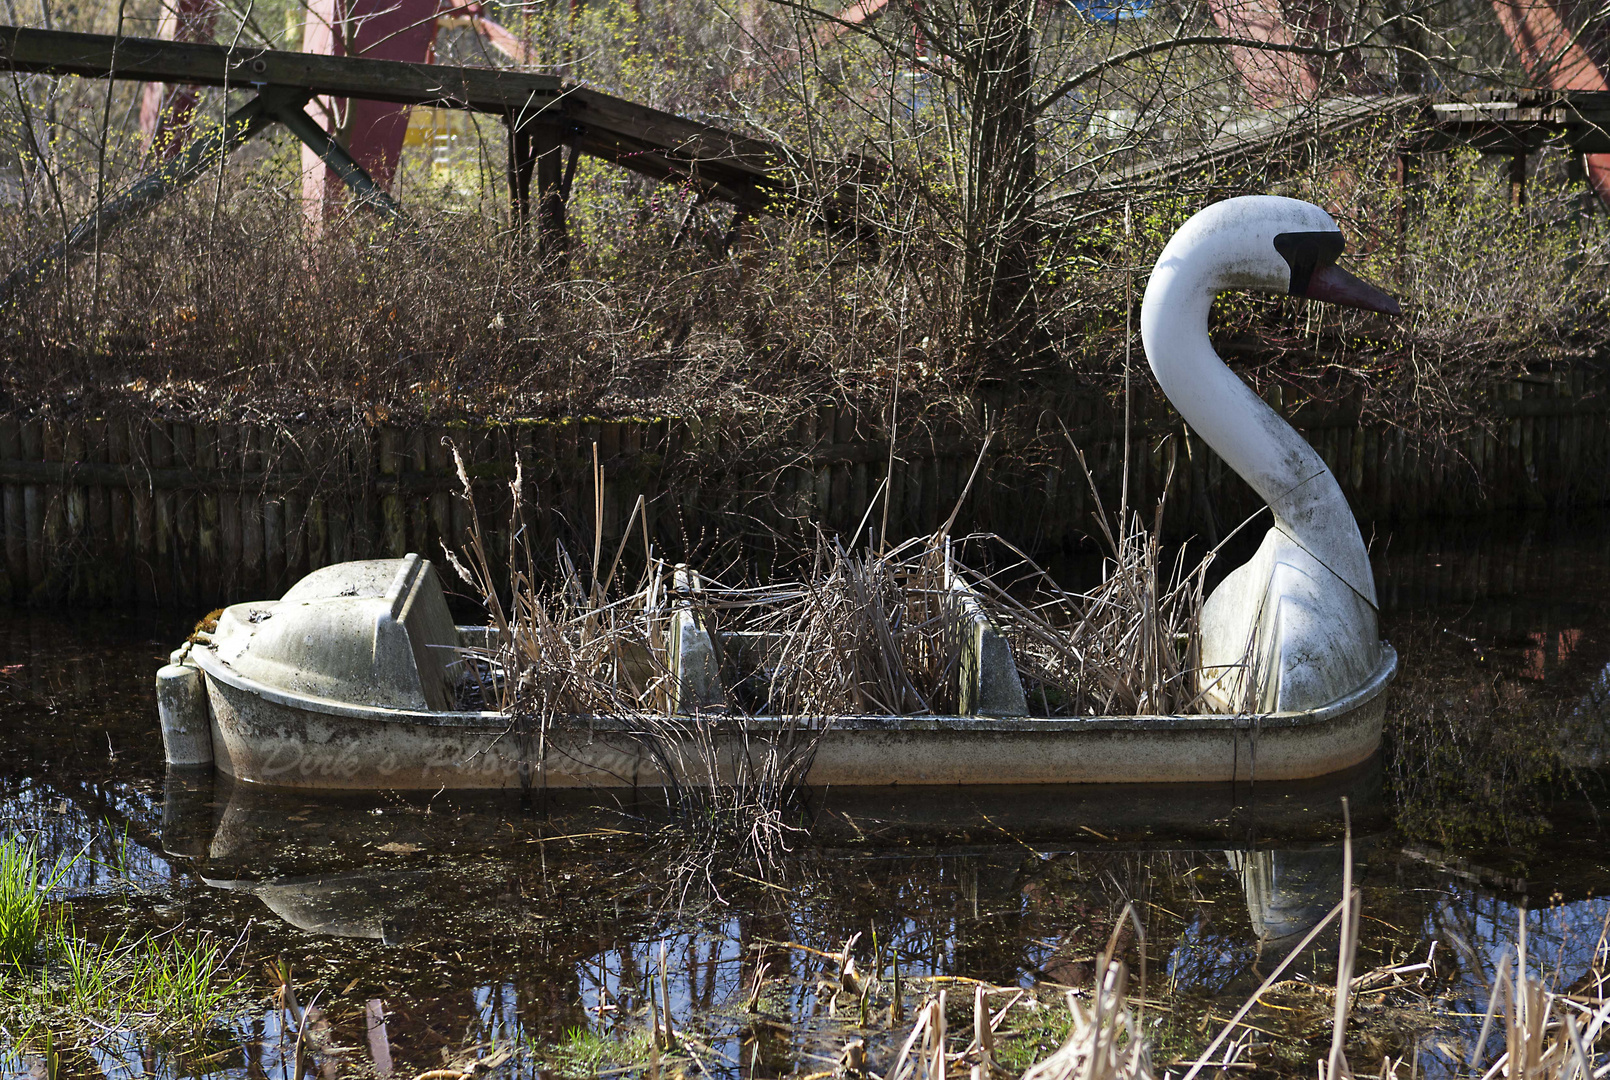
(1251, 438)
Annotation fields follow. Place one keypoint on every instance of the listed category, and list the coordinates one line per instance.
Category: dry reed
(569, 647)
(1547, 1035)
(873, 630)
(559, 649)
(863, 630)
(1130, 646)
(1105, 1038)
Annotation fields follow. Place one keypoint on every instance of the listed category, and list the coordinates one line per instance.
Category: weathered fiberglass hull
(265, 735)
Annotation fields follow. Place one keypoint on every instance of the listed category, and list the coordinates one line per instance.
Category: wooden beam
(1276, 134)
(1565, 119)
(336, 158)
(553, 232)
(506, 93)
(148, 59)
(646, 140)
(522, 162)
(622, 131)
(197, 156)
(1409, 196)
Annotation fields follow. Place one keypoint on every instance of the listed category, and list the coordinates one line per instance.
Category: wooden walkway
(650, 141)
(1275, 136)
(1575, 119)
(1270, 144)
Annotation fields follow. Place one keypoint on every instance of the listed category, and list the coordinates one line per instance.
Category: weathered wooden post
(1517, 182)
(536, 151)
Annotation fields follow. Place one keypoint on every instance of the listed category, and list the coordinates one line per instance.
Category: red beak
(1334, 285)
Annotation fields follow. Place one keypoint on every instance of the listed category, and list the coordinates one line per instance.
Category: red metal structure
(496, 34)
(372, 131)
(1276, 78)
(1557, 58)
(1272, 78)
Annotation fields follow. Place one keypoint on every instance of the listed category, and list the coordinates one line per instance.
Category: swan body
(1295, 627)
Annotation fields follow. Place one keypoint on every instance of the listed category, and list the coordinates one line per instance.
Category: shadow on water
(432, 930)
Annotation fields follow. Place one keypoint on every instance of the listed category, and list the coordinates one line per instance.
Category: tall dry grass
(863, 629)
(571, 646)
(1547, 1034)
(1543, 1033)
(1128, 646)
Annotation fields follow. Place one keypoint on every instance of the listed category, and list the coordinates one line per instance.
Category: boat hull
(265, 736)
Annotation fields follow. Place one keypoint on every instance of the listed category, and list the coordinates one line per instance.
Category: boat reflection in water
(1289, 890)
(366, 867)
(360, 904)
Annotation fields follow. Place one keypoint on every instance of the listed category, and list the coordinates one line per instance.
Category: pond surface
(422, 932)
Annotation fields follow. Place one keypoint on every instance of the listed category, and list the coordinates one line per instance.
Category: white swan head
(1267, 243)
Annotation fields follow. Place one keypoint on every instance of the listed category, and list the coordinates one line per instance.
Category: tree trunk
(1001, 323)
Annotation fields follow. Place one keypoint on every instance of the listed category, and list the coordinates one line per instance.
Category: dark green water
(435, 929)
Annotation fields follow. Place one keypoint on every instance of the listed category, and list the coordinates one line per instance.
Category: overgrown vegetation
(1129, 646)
(22, 902)
(60, 986)
(728, 688)
(867, 628)
(993, 244)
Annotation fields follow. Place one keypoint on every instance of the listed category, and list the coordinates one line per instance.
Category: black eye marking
(1306, 252)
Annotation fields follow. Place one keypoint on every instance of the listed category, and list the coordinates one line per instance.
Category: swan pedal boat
(267, 700)
(347, 682)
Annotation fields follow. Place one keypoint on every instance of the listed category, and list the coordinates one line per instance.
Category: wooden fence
(195, 513)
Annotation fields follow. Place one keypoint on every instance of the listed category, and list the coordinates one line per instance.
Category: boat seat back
(373, 632)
